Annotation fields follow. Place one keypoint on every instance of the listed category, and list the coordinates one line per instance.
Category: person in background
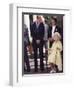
(46, 36)
(46, 39)
(26, 44)
(37, 33)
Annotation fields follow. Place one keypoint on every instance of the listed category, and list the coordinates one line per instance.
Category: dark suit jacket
(37, 33)
(57, 29)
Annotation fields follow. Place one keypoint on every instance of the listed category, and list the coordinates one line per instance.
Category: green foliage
(47, 18)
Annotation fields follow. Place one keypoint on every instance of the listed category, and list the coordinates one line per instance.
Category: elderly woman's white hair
(57, 34)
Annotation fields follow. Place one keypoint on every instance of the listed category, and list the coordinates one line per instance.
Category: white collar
(54, 26)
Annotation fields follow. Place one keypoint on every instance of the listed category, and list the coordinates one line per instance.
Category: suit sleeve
(43, 28)
(60, 30)
(31, 29)
(49, 32)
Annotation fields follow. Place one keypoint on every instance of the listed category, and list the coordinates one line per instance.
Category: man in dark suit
(54, 28)
(37, 33)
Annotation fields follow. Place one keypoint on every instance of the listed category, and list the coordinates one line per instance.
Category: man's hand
(37, 41)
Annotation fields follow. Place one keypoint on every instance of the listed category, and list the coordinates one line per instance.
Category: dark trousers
(26, 58)
(35, 48)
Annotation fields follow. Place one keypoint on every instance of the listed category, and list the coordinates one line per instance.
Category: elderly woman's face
(55, 38)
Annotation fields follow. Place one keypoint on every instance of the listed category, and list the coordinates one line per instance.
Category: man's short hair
(55, 19)
(38, 16)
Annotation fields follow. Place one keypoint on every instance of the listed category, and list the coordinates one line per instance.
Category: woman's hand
(50, 39)
(49, 49)
(59, 49)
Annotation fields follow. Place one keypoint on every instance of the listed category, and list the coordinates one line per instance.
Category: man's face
(39, 19)
(53, 22)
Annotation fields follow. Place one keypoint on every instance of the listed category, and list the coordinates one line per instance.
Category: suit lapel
(56, 29)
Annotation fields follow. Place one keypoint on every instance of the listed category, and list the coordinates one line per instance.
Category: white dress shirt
(53, 29)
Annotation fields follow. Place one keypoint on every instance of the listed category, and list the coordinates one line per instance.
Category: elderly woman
(54, 56)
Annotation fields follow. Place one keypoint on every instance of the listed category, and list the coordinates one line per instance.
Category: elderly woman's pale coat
(54, 54)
